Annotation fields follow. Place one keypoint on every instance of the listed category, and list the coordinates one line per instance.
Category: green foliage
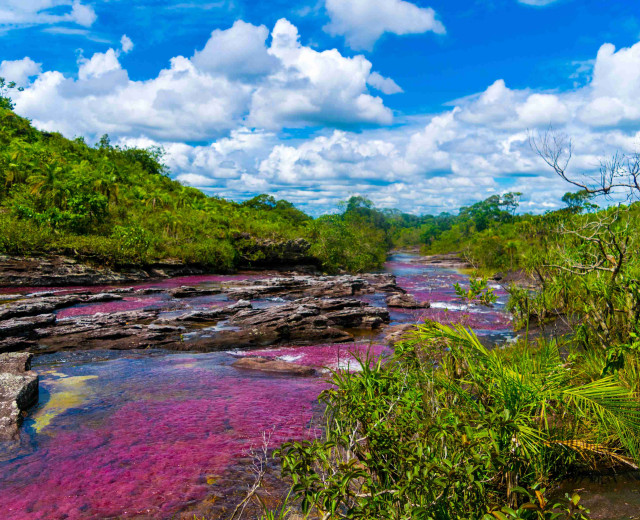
(448, 429)
(589, 273)
(119, 206)
(344, 241)
(578, 201)
(478, 292)
(5, 88)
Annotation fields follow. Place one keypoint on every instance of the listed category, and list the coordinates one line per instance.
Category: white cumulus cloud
(236, 79)
(363, 22)
(384, 85)
(240, 110)
(20, 71)
(21, 13)
(126, 44)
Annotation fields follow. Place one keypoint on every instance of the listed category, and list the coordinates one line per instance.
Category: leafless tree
(619, 173)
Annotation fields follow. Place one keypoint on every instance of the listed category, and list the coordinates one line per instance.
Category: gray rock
(17, 326)
(277, 366)
(213, 314)
(308, 320)
(15, 363)
(191, 292)
(313, 286)
(39, 304)
(405, 301)
(18, 392)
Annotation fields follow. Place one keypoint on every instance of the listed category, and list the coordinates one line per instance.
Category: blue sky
(422, 105)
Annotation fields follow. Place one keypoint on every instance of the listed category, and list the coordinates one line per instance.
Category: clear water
(148, 434)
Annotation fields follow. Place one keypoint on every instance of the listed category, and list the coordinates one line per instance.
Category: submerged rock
(273, 365)
(191, 292)
(18, 391)
(397, 333)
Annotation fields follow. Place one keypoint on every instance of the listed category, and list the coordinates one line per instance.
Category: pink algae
(126, 304)
(152, 455)
(333, 356)
(153, 429)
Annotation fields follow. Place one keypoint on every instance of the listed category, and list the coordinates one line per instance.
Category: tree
(578, 201)
(594, 257)
(5, 88)
(619, 173)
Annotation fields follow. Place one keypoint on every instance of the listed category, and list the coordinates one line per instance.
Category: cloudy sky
(423, 105)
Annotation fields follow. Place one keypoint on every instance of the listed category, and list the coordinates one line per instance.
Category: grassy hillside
(119, 206)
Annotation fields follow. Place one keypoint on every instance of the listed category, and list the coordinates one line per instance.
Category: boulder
(405, 301)
(273, 365)
(18, 392)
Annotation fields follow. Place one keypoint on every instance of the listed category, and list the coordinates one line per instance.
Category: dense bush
(447, 429)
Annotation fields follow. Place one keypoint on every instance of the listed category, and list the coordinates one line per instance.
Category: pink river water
(150, 434)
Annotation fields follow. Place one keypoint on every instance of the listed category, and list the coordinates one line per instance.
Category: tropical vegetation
(119, 206)
(450, 428)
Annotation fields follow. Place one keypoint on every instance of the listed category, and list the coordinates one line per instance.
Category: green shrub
(446, 429)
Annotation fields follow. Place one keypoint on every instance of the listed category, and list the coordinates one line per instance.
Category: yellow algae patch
(190, 364)
(67, 392)
(52, 373)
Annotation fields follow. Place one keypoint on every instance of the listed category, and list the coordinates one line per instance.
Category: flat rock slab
(212, 315)
(273, 365)
(60, 271)
(313, 286)
(45, 303)
(18, 392)
(192, 292)
(17, 326)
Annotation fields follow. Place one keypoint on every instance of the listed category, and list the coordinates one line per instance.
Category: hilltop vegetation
(119, 206)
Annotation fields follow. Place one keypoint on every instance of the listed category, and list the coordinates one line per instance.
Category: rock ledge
(18, 391)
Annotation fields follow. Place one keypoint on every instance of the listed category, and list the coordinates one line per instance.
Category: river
(152, 434)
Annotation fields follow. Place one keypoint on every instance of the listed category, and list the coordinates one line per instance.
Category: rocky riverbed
(216, 314)
(152, 394)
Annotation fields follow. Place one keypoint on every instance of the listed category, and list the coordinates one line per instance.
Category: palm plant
(449, 429)
(551, 408)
